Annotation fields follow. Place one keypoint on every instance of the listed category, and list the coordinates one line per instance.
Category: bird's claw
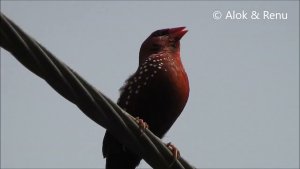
(174, 150)
(141, 123)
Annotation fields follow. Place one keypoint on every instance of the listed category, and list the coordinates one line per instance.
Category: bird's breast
(157, 92)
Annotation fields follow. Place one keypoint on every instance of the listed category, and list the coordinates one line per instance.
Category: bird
(157, 93)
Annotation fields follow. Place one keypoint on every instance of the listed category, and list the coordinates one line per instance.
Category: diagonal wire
(90, 101)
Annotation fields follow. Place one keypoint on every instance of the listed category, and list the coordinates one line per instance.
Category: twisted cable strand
(92, 102)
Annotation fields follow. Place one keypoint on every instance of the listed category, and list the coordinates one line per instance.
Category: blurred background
(243, 109)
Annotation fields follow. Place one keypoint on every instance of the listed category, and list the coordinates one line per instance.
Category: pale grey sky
(243, 110)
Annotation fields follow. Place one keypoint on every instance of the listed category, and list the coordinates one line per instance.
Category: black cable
(92, 102)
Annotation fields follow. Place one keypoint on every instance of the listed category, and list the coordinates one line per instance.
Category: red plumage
(157, 93)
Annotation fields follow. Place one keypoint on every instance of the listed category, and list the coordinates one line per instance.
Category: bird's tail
(117, 156)
(116, 161)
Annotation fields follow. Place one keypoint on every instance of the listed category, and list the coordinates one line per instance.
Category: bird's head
(163, 40)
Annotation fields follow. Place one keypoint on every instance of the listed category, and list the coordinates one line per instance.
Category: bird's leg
(141, 123)
(174, 150)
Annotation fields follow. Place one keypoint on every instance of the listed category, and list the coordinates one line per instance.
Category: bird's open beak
(178, 32)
